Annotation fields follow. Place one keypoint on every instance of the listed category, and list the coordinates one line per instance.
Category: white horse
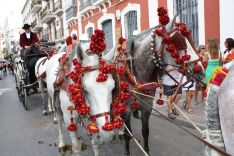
(40, 69)
(97, 95)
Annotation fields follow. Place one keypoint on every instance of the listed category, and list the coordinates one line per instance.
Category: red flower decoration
(175, 54)
(69, 40)
(134, 105)
(107, 126)
(170, 48)
(72, 127)
(160, 102)
(179, 61)
(160, 31)
(121, 40)
(186, 57)
(167, 40)
(117, 123)
(197, 68)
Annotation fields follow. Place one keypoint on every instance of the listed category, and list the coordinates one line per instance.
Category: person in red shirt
(29, 41)
(28, 38)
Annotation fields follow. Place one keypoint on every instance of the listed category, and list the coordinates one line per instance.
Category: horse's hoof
(127, 153)
(45, 113)
(55, 122)
(62, 149)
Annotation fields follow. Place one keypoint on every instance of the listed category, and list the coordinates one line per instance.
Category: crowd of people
(214, 58)
(3, 70)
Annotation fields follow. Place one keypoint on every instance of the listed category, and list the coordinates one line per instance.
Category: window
(188, 13)
(90, 32)
(130, 24)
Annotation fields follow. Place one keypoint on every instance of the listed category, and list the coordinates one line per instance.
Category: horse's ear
(110, 55)
(81, 55)
(171, 24)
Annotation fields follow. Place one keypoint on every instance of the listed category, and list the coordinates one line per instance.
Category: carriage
(24, 69)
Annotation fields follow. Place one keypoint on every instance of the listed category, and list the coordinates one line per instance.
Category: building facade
(2, 43)
(46, 18)
(206, 18)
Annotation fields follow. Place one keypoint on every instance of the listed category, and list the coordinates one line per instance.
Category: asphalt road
(29, 133)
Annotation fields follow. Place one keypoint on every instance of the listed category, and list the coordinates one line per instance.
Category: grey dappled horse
(145, 70)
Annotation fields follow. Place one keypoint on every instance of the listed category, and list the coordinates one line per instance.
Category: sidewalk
(198, 117)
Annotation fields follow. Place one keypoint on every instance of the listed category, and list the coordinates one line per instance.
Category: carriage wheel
(25, 99)
(20, 90)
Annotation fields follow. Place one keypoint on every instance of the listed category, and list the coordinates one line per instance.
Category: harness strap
(101, 114)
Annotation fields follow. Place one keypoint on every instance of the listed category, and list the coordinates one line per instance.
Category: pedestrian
(228, 54)
(189, 92)
(4, 70)
(169, 87)
(1, 68)
(202, 53)
(214, 56)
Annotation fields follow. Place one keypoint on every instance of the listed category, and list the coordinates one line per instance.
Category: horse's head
(182, 44)
(98, 95)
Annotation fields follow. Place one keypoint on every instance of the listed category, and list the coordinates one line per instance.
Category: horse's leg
(49, 104)
(59, 117)
(127, 138)
(95, 147)
(67, 117)
(55, 120)
(43, 95)
(145, 126)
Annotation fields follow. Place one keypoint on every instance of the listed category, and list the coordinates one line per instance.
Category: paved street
(28, 133)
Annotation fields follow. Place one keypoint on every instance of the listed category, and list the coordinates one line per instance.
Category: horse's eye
(86, 92)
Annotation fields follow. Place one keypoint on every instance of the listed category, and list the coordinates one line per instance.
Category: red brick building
(128, 17)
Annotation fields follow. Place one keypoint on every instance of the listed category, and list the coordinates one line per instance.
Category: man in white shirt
(169, 88)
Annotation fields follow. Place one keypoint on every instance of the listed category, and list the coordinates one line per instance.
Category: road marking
(4, 90)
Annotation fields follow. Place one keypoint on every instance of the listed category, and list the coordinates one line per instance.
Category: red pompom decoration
(160, 102)
(124, 85)
(186, 57)
(170, 48)
(197, 68)
(69, 40)
(120, 71)
(175, 54)
(107, 126)
(160, 31)
(121, 40)
(92, 128)
(179, 61)
(101, 77)
(163, 16)
(75, 62)
(162, 11)
(134, 105)
(98, 44)
(72, 127)
(167, 40)
(117, 123)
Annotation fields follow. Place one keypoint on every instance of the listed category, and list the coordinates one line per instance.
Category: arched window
(130, 23)
(90, 32)
(107, 28)
(188, 13)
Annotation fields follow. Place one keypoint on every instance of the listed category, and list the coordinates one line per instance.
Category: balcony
(97, 2)
(85, 6)
(71, 13)
(58, 8)
(36, 6)
(47, 16)
(36, 26)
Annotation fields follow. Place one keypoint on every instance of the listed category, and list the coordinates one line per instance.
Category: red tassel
(107, 126)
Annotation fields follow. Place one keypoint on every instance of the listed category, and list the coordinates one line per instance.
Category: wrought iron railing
(34, 23)
(84, 5)
(45, 12)
(58, 5)
(35, 2)
(71, 12)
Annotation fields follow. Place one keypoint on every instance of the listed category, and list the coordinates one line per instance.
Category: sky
(7, 7)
